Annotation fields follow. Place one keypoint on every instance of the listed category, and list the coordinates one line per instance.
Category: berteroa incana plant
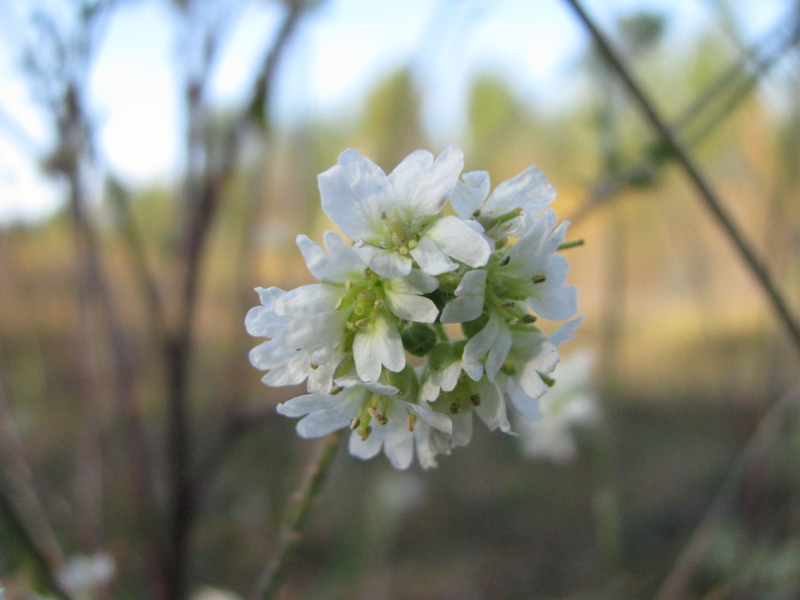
(460, 293)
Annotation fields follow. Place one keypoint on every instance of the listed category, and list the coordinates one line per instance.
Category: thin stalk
(674, 585)
(707, 194)
(270, 582)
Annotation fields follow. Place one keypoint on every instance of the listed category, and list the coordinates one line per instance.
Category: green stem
(572, 244)
(270, 582)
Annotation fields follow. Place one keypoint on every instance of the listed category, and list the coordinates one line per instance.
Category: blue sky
(343, 48)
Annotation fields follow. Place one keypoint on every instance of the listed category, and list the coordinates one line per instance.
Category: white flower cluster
(410, 271)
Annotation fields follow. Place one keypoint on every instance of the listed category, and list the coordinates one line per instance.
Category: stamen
(528, 319)
(335, 390)
(475, 399)
(378, 305)
(412, 419)
(539, 278)
(363, 322)
(383, 215)
(508, 304)
(339, 303)
(402, 250)
(355, 422)
(412, 243)
(366, 433)
(505, 261)
(455, 408)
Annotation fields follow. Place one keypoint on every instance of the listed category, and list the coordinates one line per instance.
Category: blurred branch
(674, 585)
(707, 194)
(270, 582)
(30, 525)
(724, 94)
(74, 159)
(207, 174)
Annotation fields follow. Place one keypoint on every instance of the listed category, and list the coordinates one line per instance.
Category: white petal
(492, 409)
(524, 403)
(308, 299)
(354, 193)
(529, 191)
(479, 345)
(448, 377)
(473, 283)
(364, 449)
(420, 282)
(460, 241)
(432, 418)
(323, 422)
(462, 309)
(430, 257)
(469, 193)
(422, 188)
(462, 429)
(565, 332)
(386, 263)
(302, 405)
(270, 354)
(556, 304)
(262, 321)
(499, 351)
(412, 307)
(398, 443)
(292, 372)
(378, 344)
(337, 267)
(315, 331)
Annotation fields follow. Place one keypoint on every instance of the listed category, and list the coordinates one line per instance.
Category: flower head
(407, 273)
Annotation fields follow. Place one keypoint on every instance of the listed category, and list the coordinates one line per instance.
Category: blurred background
(158, 159)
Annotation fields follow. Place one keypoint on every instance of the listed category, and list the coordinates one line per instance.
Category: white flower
(570, 404)
(352, 308)
(380, 419)
(286, 365)
(409, 270)
(526, 194)
(83, 575)
(398, 219)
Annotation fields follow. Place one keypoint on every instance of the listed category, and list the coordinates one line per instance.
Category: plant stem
(707, 194)
(270, 582)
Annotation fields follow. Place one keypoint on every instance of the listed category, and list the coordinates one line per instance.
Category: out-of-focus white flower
(407, 269)
(211, 593)
(82, 575)
(570, 404)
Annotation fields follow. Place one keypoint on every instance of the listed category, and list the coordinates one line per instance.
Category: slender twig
(758, 445)
(727, 91)
(30, 525)
(207, 174)
(39, 556)
(704, 188)
(257, 110)
(270, 582)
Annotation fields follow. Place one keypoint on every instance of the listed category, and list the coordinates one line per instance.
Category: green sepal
(471, 328)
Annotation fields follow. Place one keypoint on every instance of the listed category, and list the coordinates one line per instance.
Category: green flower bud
(419, 339)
